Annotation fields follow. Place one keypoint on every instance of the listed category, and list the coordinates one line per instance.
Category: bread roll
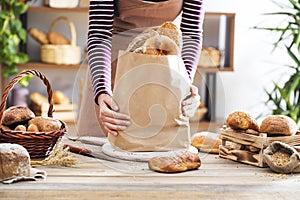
(178, 163)
(14, 161)
(136, 44)
(46, 124)
(170, 30)
(38, 35)
(60, 98)
(16, 115)
(278, 125)
(38, 98)
(20, 128)
(160, 45)
(57, 38)
(206, 142)
(241, 121)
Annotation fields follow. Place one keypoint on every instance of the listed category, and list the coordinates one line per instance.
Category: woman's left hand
(190, 104)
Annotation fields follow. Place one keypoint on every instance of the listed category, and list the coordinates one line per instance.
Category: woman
(109, 22)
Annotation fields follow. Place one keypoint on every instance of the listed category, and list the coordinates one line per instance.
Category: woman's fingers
(111, 119)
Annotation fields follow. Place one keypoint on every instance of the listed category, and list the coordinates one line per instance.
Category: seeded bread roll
(278, 125)
(14, 161)
(170, 30)
(16, 115)
(241, 121)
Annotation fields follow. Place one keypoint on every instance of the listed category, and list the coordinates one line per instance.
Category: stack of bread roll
(272, 125)
(163, 40)
(21, 118)
(52, 37)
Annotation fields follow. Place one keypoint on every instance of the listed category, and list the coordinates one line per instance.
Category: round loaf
(17, 115)
(45, 124)
(278, 125)
(241, 121)
(14, 161)
(172, 31)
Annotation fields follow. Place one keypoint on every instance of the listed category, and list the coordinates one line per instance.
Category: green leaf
(19, 8)
(24, 82)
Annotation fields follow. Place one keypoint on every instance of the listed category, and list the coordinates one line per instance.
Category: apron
(134, 16)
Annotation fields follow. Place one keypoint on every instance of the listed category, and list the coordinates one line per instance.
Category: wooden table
(217, 178)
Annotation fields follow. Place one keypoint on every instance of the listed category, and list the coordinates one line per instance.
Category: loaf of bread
(165, 39)
(38, 98)
(278, 125)
(160, 45)
(45, 124)
(57, 38)
(38, 35)
(239, 120)
(14, 161)
(206, 142)
(170, 30)
(137, 43)
(60, 98)
(186, 160)
(16, 115)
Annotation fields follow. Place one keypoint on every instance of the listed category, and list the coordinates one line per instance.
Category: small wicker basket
(67, 54)
(38, 144)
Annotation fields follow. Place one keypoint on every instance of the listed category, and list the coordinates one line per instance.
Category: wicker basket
(67, 54)
(38, 144)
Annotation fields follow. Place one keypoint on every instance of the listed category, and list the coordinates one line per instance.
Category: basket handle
(71, 26)
(16, 80)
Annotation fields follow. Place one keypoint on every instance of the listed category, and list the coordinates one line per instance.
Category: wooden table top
(217, 178)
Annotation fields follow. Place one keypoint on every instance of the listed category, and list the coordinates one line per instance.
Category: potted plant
(12, 34)
(285, 97)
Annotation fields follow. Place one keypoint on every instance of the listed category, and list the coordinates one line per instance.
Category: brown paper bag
(150, 89)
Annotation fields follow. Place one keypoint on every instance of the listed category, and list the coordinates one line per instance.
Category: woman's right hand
(110, 117)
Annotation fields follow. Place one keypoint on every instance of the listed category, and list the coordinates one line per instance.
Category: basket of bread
(55, 47)
(19, 124)
(244, 139)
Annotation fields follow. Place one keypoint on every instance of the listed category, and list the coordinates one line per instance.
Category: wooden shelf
(50, 66)
(49, 9)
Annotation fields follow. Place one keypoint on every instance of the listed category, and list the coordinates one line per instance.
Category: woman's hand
(191, 103)
(109, 117)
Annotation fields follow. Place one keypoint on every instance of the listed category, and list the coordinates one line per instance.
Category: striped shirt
(101, 17)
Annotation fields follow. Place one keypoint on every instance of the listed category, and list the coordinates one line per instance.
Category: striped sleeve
(101, 13)
(192, 31)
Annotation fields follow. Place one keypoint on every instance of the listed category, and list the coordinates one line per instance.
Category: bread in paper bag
(150, 88)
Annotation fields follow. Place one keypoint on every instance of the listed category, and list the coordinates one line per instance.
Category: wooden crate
(246, 148)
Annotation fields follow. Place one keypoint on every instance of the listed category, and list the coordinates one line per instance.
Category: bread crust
(278, 125)
(239, 120)
(178, 163)
(46, 124)
(17, 115)
(160, 45)
(206, 142)
(172, 31)
(38, 35)
(57, 38)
